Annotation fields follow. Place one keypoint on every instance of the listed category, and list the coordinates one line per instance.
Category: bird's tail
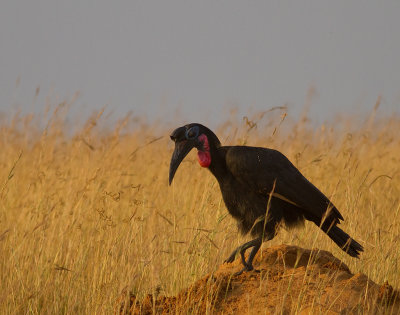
(344, 241)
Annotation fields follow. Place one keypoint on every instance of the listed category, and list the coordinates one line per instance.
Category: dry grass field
(87, 214)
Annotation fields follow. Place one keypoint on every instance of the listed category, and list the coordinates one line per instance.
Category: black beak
(182, 148)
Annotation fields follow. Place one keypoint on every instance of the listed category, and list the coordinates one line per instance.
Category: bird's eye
(192, 133)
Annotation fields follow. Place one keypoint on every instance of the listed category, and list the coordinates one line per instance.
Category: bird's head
(188, 137)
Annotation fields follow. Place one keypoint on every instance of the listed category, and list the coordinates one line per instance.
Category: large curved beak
(182, 148)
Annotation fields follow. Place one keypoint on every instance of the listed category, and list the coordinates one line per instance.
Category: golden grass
(85, 215)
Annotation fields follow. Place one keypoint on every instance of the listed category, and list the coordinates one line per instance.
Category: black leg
(232, 256)
(253, 253)
(256, 243)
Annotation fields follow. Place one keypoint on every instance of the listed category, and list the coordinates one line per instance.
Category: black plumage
(261, 189)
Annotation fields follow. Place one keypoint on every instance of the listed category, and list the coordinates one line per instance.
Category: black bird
(261, 189)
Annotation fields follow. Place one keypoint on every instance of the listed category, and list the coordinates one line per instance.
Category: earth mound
(290, 280)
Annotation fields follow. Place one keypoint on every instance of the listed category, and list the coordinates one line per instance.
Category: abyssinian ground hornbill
(261, 189)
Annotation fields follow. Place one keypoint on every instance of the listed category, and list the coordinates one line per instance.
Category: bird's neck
(218, 164)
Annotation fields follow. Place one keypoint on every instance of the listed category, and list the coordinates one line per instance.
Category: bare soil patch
(291, 280)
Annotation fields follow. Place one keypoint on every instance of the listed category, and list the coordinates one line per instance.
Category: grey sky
(153, 56)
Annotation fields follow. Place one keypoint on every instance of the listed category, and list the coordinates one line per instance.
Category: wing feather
(269, 171)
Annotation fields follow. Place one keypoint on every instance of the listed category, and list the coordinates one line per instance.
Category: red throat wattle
(204, 156)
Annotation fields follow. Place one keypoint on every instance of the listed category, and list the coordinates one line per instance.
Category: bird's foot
(247, 268)
(231, 258)
(240, 272)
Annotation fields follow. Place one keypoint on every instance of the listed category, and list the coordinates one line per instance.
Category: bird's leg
(254, 250)
(248, 266)
(240, 249)
(232, 256)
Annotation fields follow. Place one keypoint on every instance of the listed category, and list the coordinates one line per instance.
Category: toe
(239, 272)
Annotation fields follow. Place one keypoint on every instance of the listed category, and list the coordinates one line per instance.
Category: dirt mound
(291, 280)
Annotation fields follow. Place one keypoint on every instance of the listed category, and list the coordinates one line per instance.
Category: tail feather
(344, 241)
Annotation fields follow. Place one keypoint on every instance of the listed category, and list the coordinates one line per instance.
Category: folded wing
(269, 171)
